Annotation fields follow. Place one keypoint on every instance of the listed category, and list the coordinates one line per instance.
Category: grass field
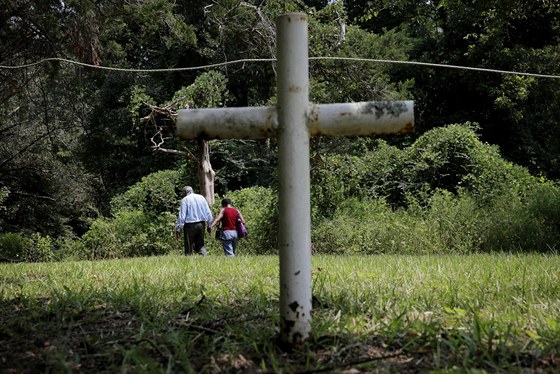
(492, 313)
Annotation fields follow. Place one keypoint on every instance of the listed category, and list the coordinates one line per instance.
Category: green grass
(371, 313)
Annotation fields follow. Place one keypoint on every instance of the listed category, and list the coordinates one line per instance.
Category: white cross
(293, 121)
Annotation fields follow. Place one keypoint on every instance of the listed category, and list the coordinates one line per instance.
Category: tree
(49, 190)
(517, 113)
(136, 35)
(208, 90)
(40, 122)
(66, 145)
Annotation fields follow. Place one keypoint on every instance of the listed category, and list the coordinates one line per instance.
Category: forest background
(90, 167)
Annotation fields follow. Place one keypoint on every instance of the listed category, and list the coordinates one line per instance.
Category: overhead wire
(430, 64)
(248, 60)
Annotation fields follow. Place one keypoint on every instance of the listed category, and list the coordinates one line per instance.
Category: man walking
(194, 215)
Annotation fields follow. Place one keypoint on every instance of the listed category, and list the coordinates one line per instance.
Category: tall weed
(523, 223)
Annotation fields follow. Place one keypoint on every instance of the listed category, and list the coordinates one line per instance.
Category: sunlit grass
(479, 311)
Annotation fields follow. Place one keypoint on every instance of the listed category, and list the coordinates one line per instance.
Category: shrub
(448, 223)
(41, 250)
(442, 157)
(447, 192)
(14, 246)
(131, 234)
(70, 249)
(370, 226)
(142, 222)
(376, 173)
(528, 222)
(384, 175)
(450, 158)
(453, 221)
(348, 230)
(334, 179)
(155, 193)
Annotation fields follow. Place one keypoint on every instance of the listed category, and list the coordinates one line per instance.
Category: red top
(229, 219)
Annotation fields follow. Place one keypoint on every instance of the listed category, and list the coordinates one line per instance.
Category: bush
(449, 223)
(384, 176)
(450, 158)
(528, 222)
(442, 157)
(349, 229)
(370, 226)
(446, 193)
(142, 222)
(453, 221)
(41, 250)
(336, 178)
(70, 249)
(131, 234)
(13, 246)
(155, 193)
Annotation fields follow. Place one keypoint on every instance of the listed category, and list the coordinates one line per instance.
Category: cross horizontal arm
(227, 123)
(361, 119)
(348, 119)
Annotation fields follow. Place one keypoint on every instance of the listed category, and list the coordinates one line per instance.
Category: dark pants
(194, 238)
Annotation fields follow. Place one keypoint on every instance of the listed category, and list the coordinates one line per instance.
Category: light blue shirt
(194, 208)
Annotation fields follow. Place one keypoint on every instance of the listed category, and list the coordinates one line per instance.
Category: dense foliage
(458, 195)
(79, 176)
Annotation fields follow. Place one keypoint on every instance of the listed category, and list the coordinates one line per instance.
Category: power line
(248, 60)
(163, 70)
(437, 65)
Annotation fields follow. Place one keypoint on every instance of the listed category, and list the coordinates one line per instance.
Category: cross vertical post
(294, 206)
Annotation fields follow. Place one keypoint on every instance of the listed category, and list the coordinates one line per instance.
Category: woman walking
(228, 217)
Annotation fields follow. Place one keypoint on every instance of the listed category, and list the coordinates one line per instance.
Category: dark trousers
(194, 238)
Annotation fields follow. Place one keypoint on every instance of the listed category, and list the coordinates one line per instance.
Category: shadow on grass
(200, 336)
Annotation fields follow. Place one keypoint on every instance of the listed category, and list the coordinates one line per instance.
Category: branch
(158, 139)
(192, 157)
(157, 146)
(25, 148)
(172, 151)
(268, 27)
(342, 34)
(48, 198)
(166, 111)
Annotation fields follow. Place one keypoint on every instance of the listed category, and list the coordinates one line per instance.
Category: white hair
(187, 190)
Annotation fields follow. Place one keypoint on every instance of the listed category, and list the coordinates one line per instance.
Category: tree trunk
(205, 173)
